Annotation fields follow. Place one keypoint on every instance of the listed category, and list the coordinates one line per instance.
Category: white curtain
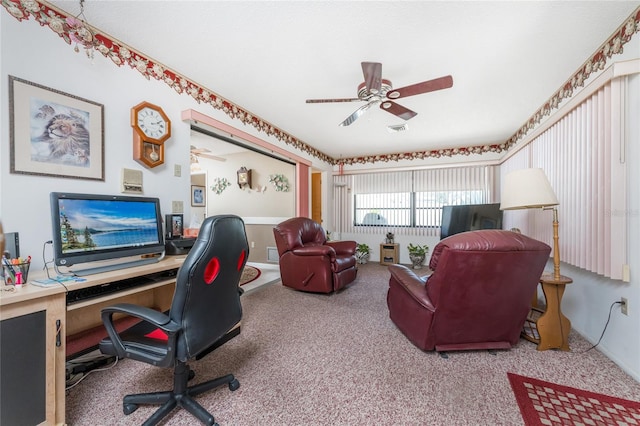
(583, 157)
(472, 178)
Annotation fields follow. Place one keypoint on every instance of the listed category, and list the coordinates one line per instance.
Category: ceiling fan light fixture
(395, 128)
(376, 90)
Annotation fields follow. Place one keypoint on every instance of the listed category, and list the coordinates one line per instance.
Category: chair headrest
(297, 232)
(486, 240)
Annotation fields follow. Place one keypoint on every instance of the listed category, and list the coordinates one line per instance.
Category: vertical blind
(583, 157)
(465, 185)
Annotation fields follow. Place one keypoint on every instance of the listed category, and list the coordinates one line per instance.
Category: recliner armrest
(315, 250)
(413, 284)
(343, 247)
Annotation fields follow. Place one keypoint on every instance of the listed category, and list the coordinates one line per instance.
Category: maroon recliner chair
(309, 262)
(478, 296)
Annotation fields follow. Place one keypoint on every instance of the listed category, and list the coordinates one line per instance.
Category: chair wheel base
(129, 408)
(234, 385)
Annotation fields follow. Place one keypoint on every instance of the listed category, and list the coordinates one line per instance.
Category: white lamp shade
(526, 189)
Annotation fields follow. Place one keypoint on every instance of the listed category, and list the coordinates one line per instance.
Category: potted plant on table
(363, 251)
(417, 254)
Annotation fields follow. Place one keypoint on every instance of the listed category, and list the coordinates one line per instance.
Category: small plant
(417, 254)
(363, 248)
(362, 253)
(418, 250)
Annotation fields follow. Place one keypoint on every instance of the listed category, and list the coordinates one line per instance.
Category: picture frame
(53, 133)
(174, 226)
(198, 196)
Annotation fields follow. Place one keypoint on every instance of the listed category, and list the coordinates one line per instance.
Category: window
(407, 208)
(407, 202)
(428, 204)
(383, 209)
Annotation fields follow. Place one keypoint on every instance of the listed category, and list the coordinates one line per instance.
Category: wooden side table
(388, 254)
(549, 328)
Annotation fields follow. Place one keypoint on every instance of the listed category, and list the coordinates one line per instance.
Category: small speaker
(12, 244)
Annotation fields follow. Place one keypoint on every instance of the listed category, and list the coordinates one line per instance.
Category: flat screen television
(90, 228)
(470, 217)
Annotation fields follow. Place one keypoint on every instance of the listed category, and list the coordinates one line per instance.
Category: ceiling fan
(205, 153)
(376, 90)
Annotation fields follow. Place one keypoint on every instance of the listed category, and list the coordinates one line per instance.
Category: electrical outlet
(624, 305)
(176, 207)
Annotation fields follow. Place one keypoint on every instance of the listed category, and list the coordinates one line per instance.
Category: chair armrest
(149, 315)
(142, 312)
(413, 284)
(315, 250)
(343, 247)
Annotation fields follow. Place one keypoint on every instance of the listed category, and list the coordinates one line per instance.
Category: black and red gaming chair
(204, 314)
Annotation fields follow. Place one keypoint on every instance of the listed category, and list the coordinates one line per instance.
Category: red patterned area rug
(249, 273)
(545, 403)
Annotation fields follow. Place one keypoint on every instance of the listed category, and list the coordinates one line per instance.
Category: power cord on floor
(605, 327)
(76, 377)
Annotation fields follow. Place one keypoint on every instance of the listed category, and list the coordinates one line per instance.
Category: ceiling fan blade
(372, 76)
(194, 149)
(419, 88)
(398, 110)
(211, 157)
(322, 101)
(353, 117)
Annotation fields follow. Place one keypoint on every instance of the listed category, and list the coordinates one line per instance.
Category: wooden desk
(62, 320)
(549, 328)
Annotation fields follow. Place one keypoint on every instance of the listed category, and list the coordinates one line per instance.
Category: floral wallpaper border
(71, 30)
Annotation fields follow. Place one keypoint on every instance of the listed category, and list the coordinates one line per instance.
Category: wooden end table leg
(553, 326)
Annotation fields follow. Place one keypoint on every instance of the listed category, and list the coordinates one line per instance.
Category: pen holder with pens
(15, 273)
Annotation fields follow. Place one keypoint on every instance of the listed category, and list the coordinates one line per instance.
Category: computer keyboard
(82, 294)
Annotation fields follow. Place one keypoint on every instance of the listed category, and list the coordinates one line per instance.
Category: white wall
(251, 202)
(588, 299)
(39, 55)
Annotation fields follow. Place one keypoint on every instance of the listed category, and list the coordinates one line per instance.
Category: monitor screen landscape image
(97, 227)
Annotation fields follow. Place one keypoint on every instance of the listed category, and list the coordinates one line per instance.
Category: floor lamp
(528, 189)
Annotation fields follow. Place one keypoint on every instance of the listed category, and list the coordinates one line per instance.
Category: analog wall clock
(244, 178)
(151, 128)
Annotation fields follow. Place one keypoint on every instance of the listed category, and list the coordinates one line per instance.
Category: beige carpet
(312, 359)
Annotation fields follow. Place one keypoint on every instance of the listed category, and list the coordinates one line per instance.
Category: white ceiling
(507, 58)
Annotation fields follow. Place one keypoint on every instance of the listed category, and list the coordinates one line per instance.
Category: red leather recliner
(478, 296)
(309, 262)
